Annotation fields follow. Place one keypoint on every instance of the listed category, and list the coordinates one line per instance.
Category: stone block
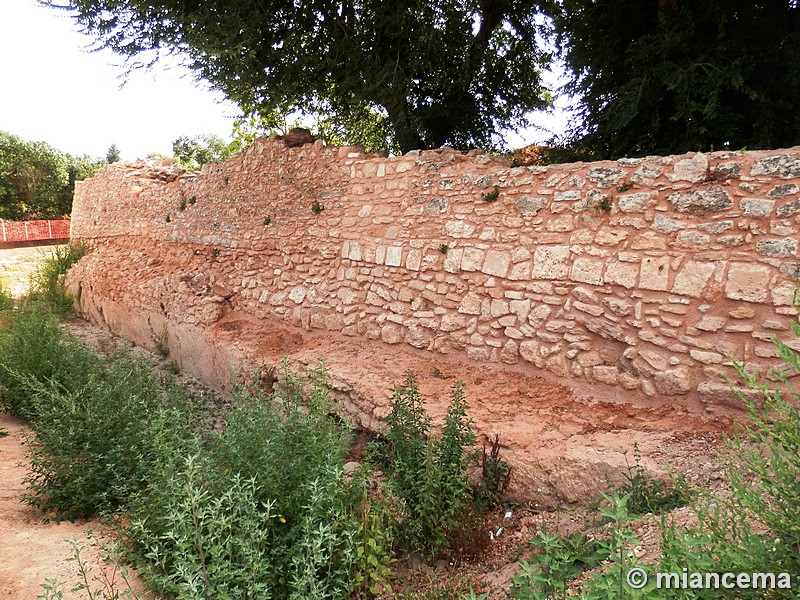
(498, 308)
(551, 262)
(586, 270)
(785, 166)
(710, 323)
(673, 382)
(591, 309)
(691, 280)
(496, 263)
(605, 176)
(459, 229)
(394, 256)
(649, 240)
(453, 322)
(748, 282)
(413, 259)
(701, 202)
(538, 315)
(510, 353)
(605, 374)
(781, 248)
(654, 273)
(694, 169)
(706, 358)
(755, 207)
(392, 333)
(788, 209)
(452, 260)
(470, 304)
(622, 274)
(472, 259)
(637, 202)
(667, 225)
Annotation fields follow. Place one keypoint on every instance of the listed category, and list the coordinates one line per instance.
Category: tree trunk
(406, 133)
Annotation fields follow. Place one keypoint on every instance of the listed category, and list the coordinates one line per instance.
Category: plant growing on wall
(492, 196)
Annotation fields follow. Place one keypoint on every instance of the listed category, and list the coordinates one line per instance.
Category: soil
(32, 549)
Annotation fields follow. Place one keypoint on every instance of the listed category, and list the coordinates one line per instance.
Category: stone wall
(647, 275)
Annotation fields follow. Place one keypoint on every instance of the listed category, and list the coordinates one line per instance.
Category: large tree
(668, 76)
(36, 180)
(437, 72)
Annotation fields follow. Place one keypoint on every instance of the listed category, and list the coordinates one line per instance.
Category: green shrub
(33, 347)
(47, 282)
(6, 299)
(98, 426)
(281, 458)
(557, 561)
(647, 495)
(428, 475)
(95, 446)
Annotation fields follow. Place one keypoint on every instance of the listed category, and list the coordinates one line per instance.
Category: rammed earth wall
(649, 275)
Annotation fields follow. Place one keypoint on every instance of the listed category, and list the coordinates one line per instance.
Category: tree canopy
(670, 76)
(196, 151)
(414, 73)
(36, 180)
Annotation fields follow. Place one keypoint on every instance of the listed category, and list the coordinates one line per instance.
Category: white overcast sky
(53, 90)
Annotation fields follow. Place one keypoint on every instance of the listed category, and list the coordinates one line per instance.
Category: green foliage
(647, 495)
(491, 196)
(605, 205)
(6, 300)
(672, 76)
(97, 426)
(560, 560)
(47, 282)
(194, 152)
(429, 475)
(36, 180)
(262, 509)
(317, 207)
(410, 75)
(557, 561)
(113, 154)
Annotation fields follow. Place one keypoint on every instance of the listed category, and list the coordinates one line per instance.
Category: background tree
(431, 72)
(194, 152)
(38, 181)
(670, 76)
(113, 155)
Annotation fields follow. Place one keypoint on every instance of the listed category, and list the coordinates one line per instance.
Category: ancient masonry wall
(645, 274)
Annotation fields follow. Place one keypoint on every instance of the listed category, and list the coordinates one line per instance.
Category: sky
(53, 89)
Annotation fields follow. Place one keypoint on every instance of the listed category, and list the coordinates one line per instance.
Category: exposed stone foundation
(639, 279)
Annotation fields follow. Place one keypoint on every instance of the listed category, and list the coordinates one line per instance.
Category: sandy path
(31, 550)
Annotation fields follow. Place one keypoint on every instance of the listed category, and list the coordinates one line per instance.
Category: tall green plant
(47, 282)
(429, 475)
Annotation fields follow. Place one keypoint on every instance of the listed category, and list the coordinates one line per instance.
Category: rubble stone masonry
(650, 275)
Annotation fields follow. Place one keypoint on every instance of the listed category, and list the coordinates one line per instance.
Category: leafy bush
(765, 481)
(557, 561)
(34, 348)
(263, 508)
(47, 283)
(6, 299)
(98, 426)
(646, 495)
(430, 476)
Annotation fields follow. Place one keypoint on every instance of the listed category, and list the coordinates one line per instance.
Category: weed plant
(648, 495)
(262, 509)
(437, 508)
(47, 282)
